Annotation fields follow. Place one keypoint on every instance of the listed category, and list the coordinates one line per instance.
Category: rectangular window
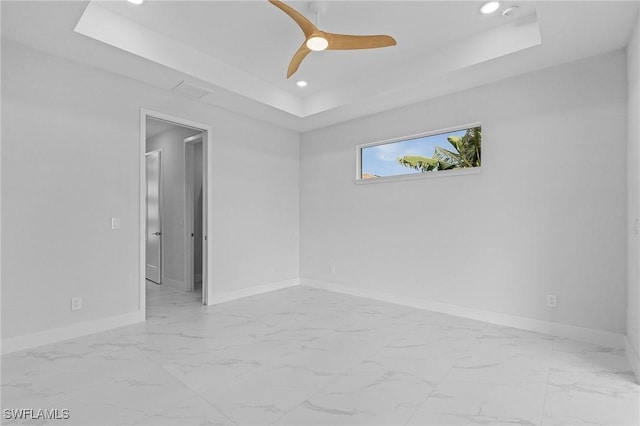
(424, 154)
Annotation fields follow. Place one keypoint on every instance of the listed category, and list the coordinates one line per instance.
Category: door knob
(157, 233)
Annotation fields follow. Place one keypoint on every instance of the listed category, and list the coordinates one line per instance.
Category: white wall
(171, 142)
(70, 139)
(546, 215)
(633, 190)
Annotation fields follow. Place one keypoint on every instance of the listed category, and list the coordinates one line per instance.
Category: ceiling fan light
(317, 43)
(301, 83)
(490, 7)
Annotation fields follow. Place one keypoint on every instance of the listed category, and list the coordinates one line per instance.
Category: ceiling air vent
(190, 90)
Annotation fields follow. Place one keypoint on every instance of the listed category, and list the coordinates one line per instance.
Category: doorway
(175, 205)
(193, 211)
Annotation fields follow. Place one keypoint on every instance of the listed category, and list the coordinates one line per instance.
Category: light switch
(115, 223)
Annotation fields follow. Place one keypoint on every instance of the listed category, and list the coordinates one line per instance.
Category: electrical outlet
(552, 301)
(76, 303)
(332, 268)
(115, 223)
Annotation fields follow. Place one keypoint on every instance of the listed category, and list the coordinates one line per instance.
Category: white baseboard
(561, 330)
(217, 298)
(633, 357)
(29, 341)
(597, 337)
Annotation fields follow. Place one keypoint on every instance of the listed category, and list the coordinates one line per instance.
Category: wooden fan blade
(349, 42)
(307, 27)
(302, 52)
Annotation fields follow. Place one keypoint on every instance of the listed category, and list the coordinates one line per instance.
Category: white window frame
(414, 176)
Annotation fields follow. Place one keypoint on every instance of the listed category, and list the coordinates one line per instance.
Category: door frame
(207, 221)
(189, 210)
(160, 206)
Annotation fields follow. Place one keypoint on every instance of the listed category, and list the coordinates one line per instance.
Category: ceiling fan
(316, 40)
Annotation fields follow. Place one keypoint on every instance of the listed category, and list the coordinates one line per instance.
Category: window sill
(417, 176)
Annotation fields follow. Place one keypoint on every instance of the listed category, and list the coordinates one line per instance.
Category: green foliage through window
(465, 153)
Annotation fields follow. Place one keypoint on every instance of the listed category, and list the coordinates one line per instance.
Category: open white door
(153, 232)
(205, 217)
(195, 166)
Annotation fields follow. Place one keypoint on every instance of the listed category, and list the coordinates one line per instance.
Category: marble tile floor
(302, 356)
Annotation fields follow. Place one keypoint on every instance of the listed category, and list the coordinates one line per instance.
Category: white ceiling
(240, 50)
(266, 39)
(155, 127)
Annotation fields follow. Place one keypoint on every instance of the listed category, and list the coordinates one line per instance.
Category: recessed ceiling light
(301, 83)
(317, 43)
(136, 1)
(490, 7)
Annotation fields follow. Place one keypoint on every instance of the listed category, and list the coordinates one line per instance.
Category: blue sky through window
(382, 160)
